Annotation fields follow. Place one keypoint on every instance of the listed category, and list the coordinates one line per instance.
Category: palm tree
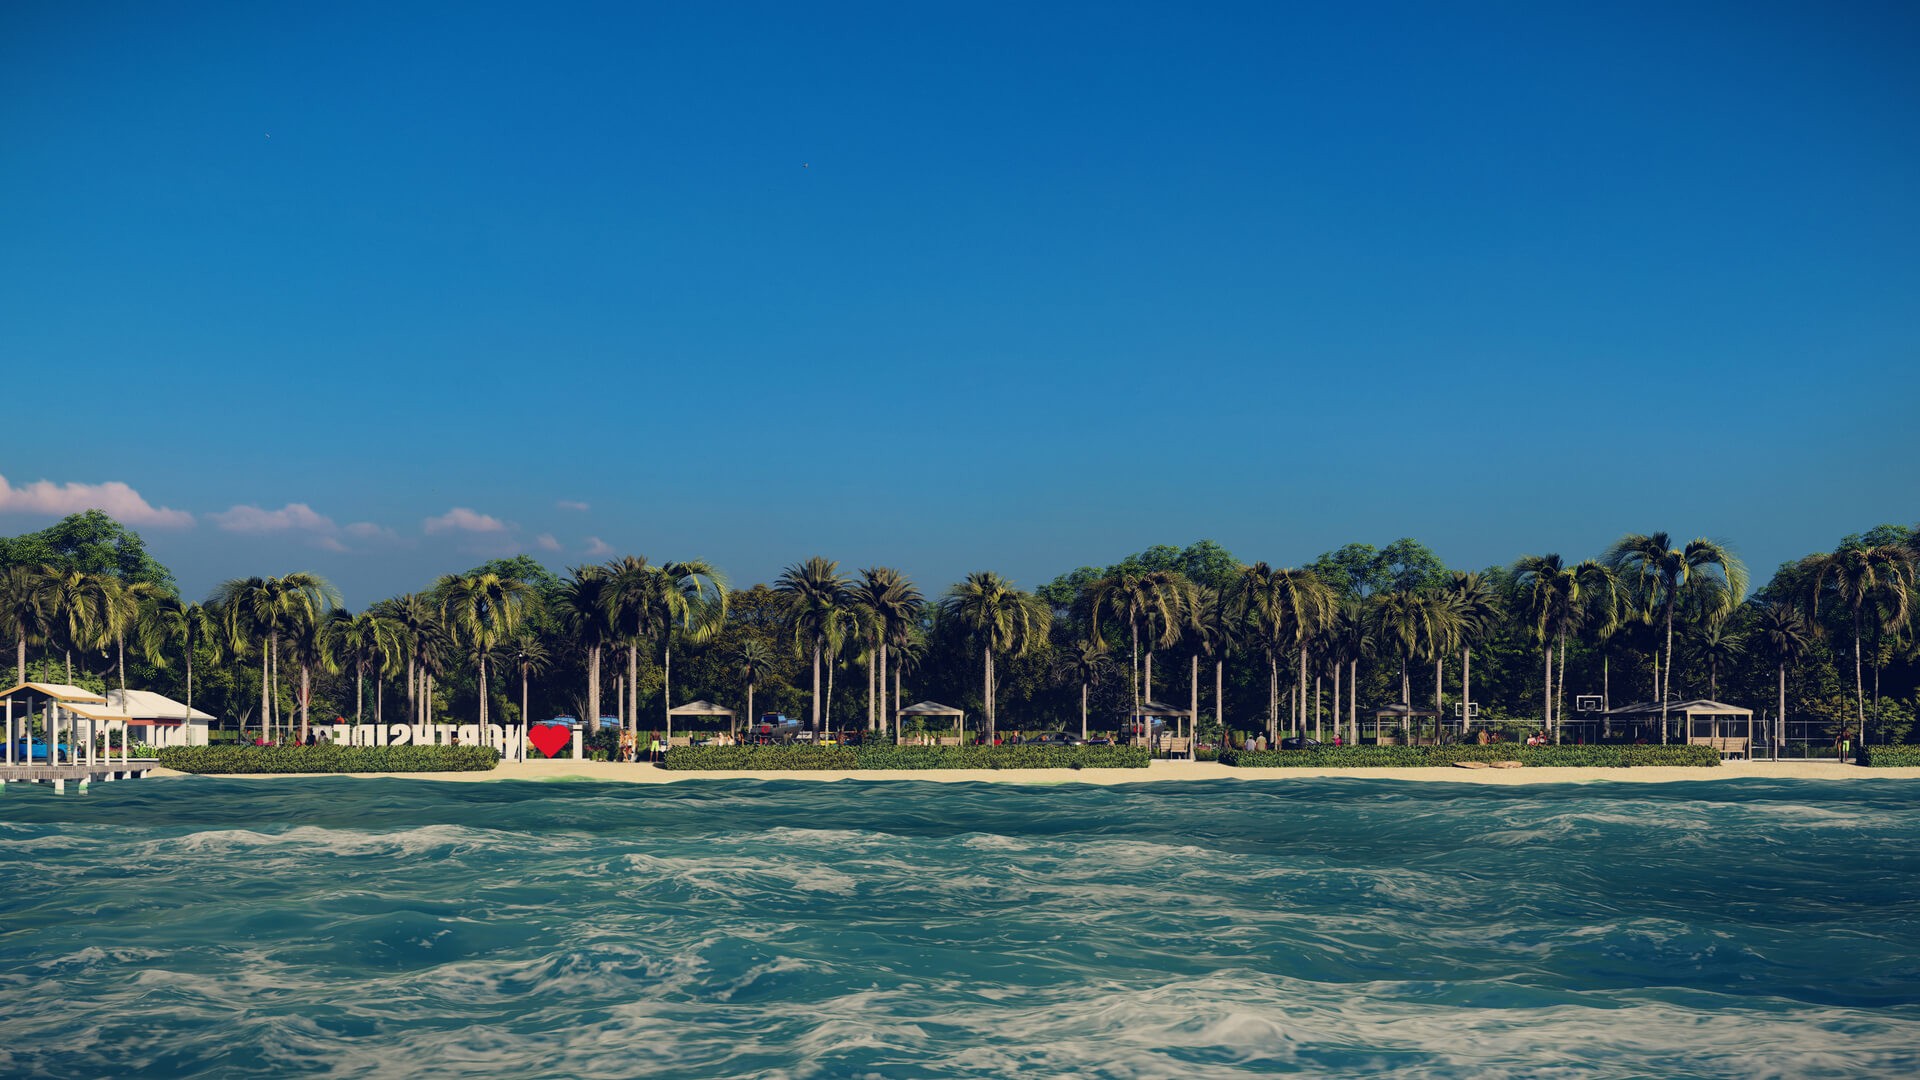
(530, 658)
(76, 602)
(999, 618)
(815, 598)
(1715, 645)
(1477, 611)
(482, 610)
(1134, 596)
(24, 607)
(752, 663)
(1286, 608)
(300, 632)
(360, 643)
(167, 620)
(583, 602)
(1557, 600)
(890, 605)
(1211, 628)
(1664, 570)
(647, 601)
(255, 612)
(1084, 665)
(1352, 642)
(1861, 577)
(120, 606)
(1784, 638)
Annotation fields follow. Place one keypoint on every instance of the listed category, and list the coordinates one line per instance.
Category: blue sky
(375, 292)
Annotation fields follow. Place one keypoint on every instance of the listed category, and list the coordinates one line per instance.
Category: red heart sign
(549, 738)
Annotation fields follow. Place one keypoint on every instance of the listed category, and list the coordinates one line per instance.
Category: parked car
(37, 751)
(1049, 738)
(1099, 740)
(1299, 742)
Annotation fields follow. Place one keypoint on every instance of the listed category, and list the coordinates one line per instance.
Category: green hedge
(883, 756)
(1411, 757)
(761, 758)
(328, 758)
(1893, 757)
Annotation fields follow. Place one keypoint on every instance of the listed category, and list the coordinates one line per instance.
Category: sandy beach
(1158, 772)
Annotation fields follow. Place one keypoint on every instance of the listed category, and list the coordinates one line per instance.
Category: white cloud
(546, 542)
(597, 547)
(573, 504)
(465, 520)
(331, 543)
(121, 502)
(367, 530)
(293, 517)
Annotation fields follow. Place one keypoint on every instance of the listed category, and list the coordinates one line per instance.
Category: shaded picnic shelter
(702, 707)
(1147, 712)
(931, 708)
(1726, 728)
(1405, 716)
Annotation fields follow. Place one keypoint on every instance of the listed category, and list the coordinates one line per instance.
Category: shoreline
(1159, 772)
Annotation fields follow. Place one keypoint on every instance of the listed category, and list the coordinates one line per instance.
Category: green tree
(753, 662)
(25, 606)
(359, 643)
(583, 600)
(256, 612)
(1478, 614)
(1861, 578)
(482, 610)
(1153, 597)
(1664, 571)
(1000, 619)
(891, 606)
(170, 620)
(1284, 609)
(815, 597)
(1085, 665)
(1784, 638)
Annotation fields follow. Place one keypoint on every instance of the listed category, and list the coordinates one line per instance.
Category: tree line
(1828, 641)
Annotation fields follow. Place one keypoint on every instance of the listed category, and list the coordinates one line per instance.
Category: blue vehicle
(38, 751)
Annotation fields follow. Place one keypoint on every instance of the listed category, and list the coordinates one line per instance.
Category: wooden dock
(59, 775)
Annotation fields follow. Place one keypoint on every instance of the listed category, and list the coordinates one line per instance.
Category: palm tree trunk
(1606, 695)
(1560, 695)
(632, 692)
(266, 728)
(1083, 711)
(816, 684)
(1301, 727)
(1337, 665)
(306, 698)
(666, 691)
(359, 693)
(1273, 697)
(986, 685)
(120, 645)
(1353, 701)
(1219, 697)
(1781, 720)
(751, 718)
(1666, 676)
(1133, 628)
(1546, 697)
(887, 719)
(20, 652)
(1466, 690)
(1316, 707)
(1859, 684)
(873, 703)
(1193, 705)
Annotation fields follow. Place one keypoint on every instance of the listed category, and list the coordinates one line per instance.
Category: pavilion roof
(1159, 708)
(60, 692)
(931, 708)
(702, 707)
(1697, 706)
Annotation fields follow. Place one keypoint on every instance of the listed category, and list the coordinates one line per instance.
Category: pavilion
(933, 708)
(1404, 713)
(1148, 711)
(699, 708)
(1726, 728)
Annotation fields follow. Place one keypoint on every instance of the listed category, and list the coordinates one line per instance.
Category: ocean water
(345, 927)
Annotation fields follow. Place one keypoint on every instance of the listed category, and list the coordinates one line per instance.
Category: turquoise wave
(206, 927)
